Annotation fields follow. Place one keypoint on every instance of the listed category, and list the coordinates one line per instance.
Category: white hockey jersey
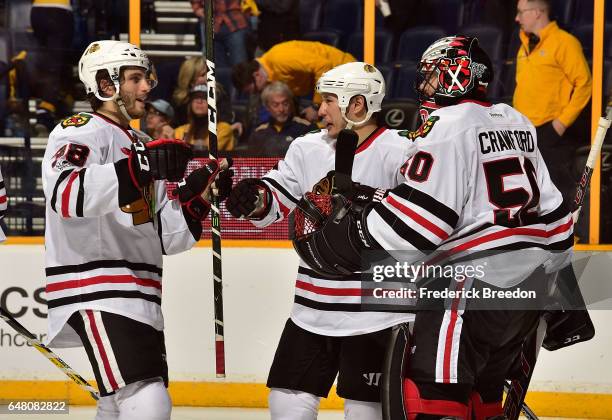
(100, 255)
(476, 182)
(3, 205)
(322, 305)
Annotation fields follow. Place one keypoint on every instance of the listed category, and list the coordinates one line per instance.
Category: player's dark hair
(242, 74)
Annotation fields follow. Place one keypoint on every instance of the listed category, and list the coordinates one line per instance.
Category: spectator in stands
(273, 138)
(191, 69)
(553, 84)
(158, 118)
(297, 63)
(53, 25)
(195, 132)
(231, 27)
(279, 21)
(499, 13)
(191, 73)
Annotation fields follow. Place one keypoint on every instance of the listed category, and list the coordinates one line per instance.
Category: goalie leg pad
(485, 411)
(416, 406)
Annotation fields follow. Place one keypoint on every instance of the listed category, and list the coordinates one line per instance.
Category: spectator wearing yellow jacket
(299, 64)
(553, 85)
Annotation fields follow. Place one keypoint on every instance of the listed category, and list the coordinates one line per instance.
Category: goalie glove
(158, 159)
(331, 235)
(195, 192)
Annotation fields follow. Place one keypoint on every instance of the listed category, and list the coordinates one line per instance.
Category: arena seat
(414, 41)
(326, 37)
(343, 16)
(382, 50)
(310, 15)
(403, 86)
(489, 37)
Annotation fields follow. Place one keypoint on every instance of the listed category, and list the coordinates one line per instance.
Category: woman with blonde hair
(195, 132)
(192, 73)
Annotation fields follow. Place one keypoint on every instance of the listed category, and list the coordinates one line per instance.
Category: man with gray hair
(273, 137)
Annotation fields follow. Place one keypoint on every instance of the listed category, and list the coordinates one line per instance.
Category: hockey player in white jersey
(108, 223)
(329, 333)
(3, 206)
(476, 181)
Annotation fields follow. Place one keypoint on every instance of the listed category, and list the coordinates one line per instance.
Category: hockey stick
(54, 358)
(517, 390)
(215, 216)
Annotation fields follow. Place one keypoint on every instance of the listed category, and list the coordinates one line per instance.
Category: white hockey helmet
(112, 56)
(354, 79)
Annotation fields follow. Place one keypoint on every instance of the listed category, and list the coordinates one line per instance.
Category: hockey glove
(250, 199)
(195, 192)
(158, 159)
(331, 235)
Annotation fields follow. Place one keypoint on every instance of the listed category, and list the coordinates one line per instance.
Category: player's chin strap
(119, 101)
(350, 124)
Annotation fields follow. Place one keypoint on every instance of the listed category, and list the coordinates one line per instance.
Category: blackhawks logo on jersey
(422, 131)
(77, 120)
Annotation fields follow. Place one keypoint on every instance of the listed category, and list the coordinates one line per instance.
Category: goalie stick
(214, 214)
(517, 389)
(48, 353)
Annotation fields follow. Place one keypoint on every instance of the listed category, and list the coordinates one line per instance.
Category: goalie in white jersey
(329, 333)
(475, 182)
(109, 221)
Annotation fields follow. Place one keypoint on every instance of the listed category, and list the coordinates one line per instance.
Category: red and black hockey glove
(158, 159)
(195, 192)
(250, 198)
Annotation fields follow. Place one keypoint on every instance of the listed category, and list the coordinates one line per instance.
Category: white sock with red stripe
(362, 410)
(286, 404)
(144, 400)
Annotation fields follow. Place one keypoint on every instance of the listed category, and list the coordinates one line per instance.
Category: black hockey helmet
(453, 68)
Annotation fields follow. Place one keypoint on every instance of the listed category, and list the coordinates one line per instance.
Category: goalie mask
(354, 79)
(112, 56)
(451, 69)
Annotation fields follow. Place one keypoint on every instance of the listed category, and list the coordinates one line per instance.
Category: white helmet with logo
(112, 56)
(354, 79)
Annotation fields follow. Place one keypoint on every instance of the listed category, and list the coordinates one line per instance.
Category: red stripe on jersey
(417, 218)
(450, 332)
(329, 291)
(284, 209)
(448, 346)
(370, 140)
(66, 194)
(105, 362)
(2, 199)
(538, 233)
(73, 284)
